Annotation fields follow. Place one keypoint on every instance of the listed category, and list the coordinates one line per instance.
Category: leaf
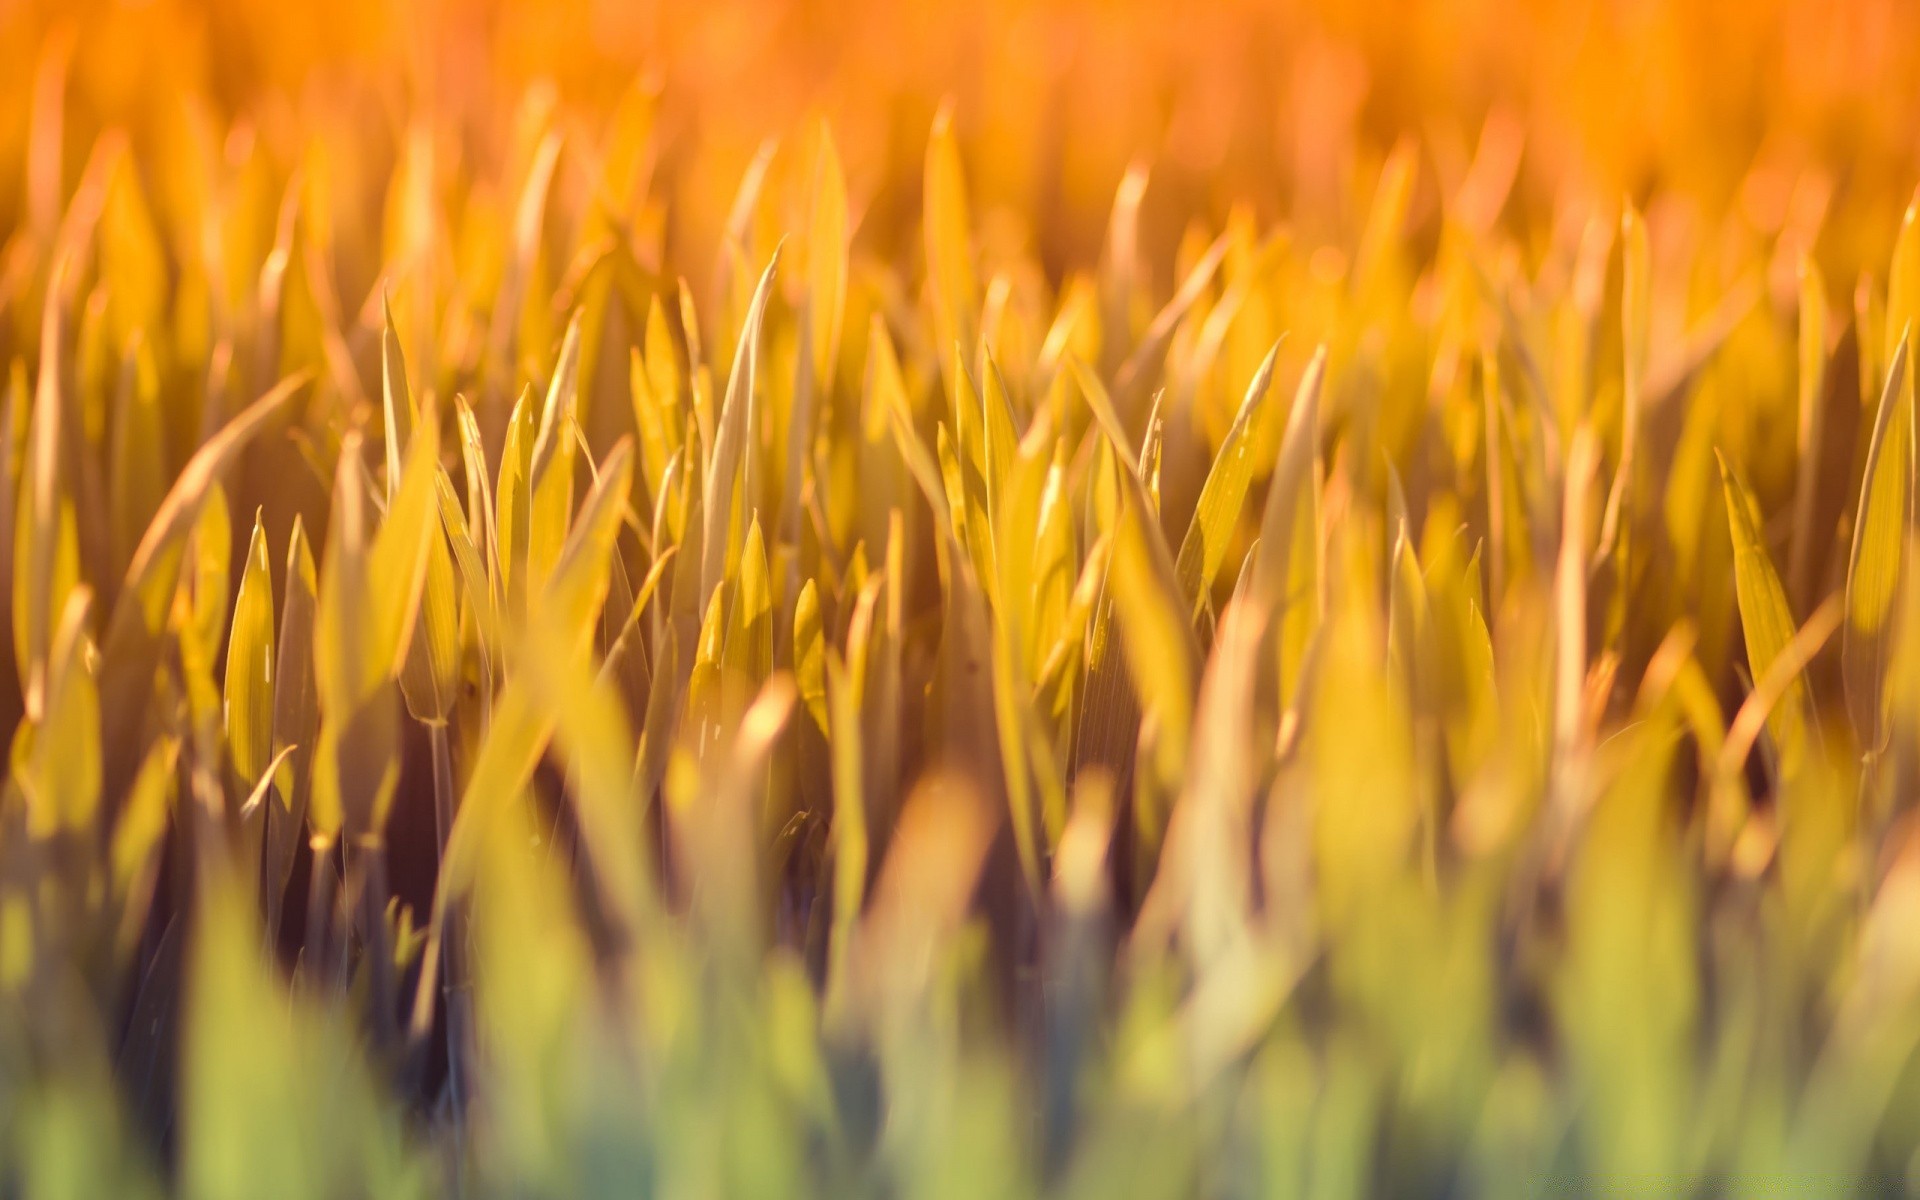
(1877, 561)
(296, 719)
(1017, 529)
(550, 462)
(592, 733)
(515, 739)
(640, 600)
(657, 446)
(1160, 651)
(1156, 636)
(1630, 990)
(472, 573)
(142, 822)
(212, 549)
(730, 441)
(357, 630)
(749, 647)
(253, 1120)
(481, 513)
(850, 839)
(972, 487)
(569, 605)
(1291, 486)
(514, 498)
(1003, 437)
(400, 556)
(45, 549)
(61, 776)
(1285, 563)
(1207, 885)
(131, 651)
(1765, 617)
(249, 680)
(1204, 548)
(1105, 414)
(396, 402)
(346, 667)
(810, 654)
(136, 454)
(430, 678)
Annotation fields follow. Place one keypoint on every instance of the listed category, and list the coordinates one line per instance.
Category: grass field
(1037, 599)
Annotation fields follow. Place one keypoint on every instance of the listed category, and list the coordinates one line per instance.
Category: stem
(442, 785)
(270, 897)
(319, 905)
(453, 983)
(373, 911)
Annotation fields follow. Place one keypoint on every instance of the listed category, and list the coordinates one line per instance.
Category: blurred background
(1283, 106)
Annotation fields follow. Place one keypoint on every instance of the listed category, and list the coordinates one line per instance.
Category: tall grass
(530, 679)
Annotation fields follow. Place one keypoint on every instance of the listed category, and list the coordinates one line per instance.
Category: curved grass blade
(1766, 620)
(1876, 563)
(131, 650)
(1204, 548)
(736, 426)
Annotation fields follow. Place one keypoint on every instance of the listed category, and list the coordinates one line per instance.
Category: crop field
(1036, 599)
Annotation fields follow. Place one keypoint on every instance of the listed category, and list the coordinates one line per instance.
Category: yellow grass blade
(60, 777)
(736, 428)
(850, 843)
(296, 717)
(550, 460)
(1877, 561)
(132, 646)
(45, 553)
(1204, 548)
(1765, 617)
(810, 655)
(249, 679)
